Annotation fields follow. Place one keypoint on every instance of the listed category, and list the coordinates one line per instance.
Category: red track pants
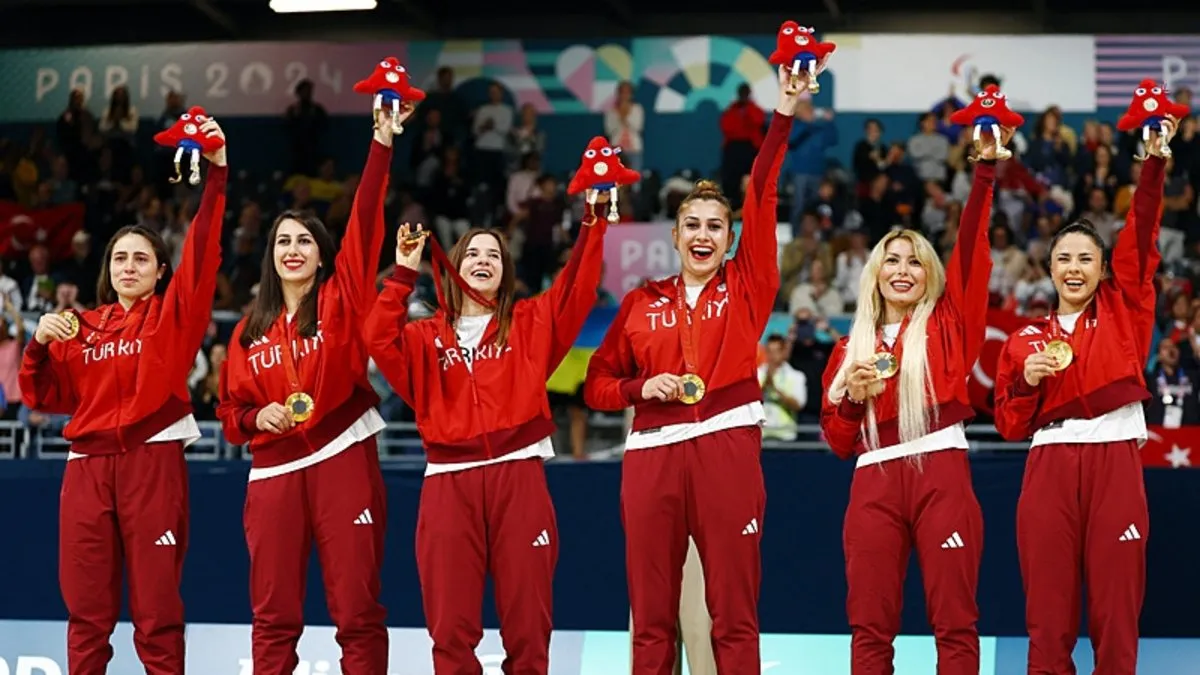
(124, 513)
(340, 505)
(896, 507)
(710, 487)
(499, 520)
(1082, 519)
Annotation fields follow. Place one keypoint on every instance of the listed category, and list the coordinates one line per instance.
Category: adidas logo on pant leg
(167, 539)
(543, 539)
(953, 541)
(364, 518)
(751, 527)
(1131, 534)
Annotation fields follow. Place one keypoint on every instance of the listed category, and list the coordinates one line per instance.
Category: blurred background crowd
(479, 162)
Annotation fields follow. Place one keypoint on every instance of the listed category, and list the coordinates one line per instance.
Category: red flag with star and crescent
(1170, 448)
(1001, 322)
(54, 227)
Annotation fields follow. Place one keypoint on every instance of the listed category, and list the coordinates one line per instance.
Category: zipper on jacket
(475, 399)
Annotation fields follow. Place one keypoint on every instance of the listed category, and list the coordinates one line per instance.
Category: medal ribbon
(105, 317)
(288, 358)
(442, 264)
(1057, 332)
(882, 344)
(689, 331)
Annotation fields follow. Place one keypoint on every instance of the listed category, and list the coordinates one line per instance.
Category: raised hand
(211, 129)
(985, 147)
(384, 127)
(410, 243)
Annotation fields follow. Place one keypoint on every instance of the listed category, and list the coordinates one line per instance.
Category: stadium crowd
(482, 166)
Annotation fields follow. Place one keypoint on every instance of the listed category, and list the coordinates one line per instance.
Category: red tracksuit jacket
(1111, 340)
(956, 334)
(500, 406)
(734, 306)
(254, 377)
(126, 384)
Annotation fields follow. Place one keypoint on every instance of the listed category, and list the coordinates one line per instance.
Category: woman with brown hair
(475, 374)
(294, 386)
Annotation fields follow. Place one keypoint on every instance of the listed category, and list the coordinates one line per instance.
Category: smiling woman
(896, 396)
(294, 386)
(475, 375)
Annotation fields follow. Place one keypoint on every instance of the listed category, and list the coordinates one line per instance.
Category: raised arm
(1016, 403)
(841, 422)
(46, 384)
(757, 257)
(565, 306)
(1135, 256)
(385, 331)
(189, 298)
(238, 416)
(357, 262)
(970, 268)
(612, 381)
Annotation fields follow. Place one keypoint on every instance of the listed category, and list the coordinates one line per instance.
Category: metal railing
(399, 442)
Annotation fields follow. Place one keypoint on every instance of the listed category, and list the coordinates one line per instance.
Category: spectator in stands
(75, 129)
(812, 136)
(817, 295)
(119, 125)
(1174, 401)
(12, 343)
(475, 374)
(492, 124)
(623, 124)
(307, 123)
(705, 322)
(897, 397)
(540, 220)
(121, 372)
(785, 391)
(526, 138)
(928, 150)
(1074, 382)
(850, 264)
(742, 126)
(294, 386)
(868, 156)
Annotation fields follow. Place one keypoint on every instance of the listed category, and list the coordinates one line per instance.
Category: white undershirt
(1127, 423)
(953, 437)
(746, 415)
(366, 426)
(470, 330)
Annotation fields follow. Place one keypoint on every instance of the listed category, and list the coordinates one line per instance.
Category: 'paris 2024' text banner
(672, 75)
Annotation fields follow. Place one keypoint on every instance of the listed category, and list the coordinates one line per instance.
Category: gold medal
(693, 389)
(300, 405)
(1062, 353)
(73, 319)
(886, 365)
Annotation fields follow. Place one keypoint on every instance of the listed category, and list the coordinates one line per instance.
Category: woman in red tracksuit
(1073, 383)
(917, 333)
(311, 424)
(120, 371)
(475, 374)
(682, 352)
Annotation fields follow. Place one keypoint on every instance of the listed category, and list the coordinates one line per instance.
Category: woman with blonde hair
(897, 397)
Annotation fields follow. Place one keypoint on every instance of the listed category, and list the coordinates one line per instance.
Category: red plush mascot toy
(797, 47)
(601, 169)
(185, 135)
(390, 86)
(989, 110)
(1149, 109)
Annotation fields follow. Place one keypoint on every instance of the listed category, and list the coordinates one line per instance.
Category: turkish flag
(1001, 322)
(54, 227)
(1170, 448)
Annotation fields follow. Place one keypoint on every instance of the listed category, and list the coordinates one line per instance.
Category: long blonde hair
(916, 383)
